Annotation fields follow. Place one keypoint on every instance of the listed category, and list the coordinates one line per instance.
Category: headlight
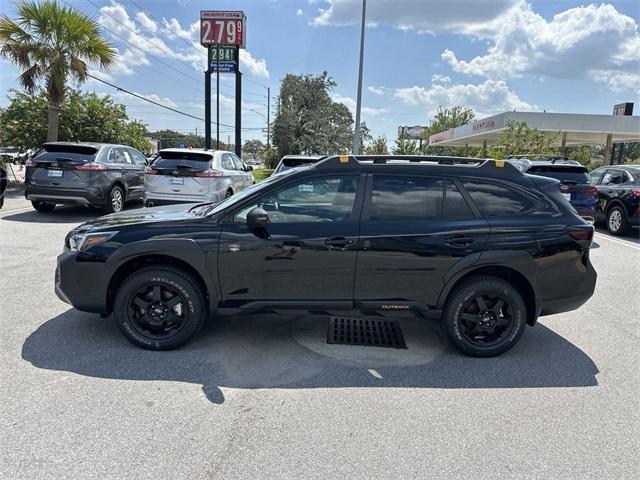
(79, 242)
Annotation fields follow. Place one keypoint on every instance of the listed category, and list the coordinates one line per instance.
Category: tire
(43, 206)
(137, 299)
(1, 202)
(617, 222)
(115, 202)
(488, 331)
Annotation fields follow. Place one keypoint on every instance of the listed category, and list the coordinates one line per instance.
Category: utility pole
(268, 114)
(217, 96)
(207, 105)
(238, 149)
(356, 131)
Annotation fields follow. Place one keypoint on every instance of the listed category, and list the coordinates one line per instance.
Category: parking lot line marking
(615, 240)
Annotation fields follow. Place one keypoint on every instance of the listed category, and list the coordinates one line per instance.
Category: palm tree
(52, 43)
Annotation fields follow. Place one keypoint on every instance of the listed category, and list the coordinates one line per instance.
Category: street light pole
(356, 131)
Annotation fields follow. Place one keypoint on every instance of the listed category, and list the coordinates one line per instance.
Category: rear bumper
(152, 199)
(580, 293)
(80, 284)
(89, 197)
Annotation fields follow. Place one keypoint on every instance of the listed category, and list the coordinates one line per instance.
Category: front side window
(613, 177)
(495, 200)
(138, 158)
(318, 199)
(405, 198)
(237, 163)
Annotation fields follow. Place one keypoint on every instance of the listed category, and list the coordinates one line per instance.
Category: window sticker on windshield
(305, 188)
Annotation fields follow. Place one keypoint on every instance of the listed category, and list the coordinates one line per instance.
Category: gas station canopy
(570, 129)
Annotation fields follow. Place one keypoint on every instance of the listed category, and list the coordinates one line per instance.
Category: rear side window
(76, 153)
(495, 200)
(455, 206)
(173, 160)
(288, 163)
(566, 174)
(405, 198)
(227, 162)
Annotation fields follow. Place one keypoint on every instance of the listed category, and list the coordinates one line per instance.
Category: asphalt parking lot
(266, 397)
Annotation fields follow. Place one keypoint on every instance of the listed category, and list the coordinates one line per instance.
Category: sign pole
(238, 139)
(207, 104)
(217, 96)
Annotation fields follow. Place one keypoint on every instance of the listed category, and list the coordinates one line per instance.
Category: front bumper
(80, 283)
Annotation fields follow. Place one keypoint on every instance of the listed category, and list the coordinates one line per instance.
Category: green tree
(270, 157)
(377, 146)
(84, 117)
(52, 43)
(365, 136)
(308, 121)
(404, 146)
(519, 139)
(172, 139)
(254, 147)
(444, 119)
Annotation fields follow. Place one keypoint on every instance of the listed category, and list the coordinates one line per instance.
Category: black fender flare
(184, 250)
(518, 261)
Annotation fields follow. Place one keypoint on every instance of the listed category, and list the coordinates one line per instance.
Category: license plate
(55, 173)
(176, 181)
(567, 196)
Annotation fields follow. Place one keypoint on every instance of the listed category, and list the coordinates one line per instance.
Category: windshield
(566, 174)
(214, 208)
(289, 163)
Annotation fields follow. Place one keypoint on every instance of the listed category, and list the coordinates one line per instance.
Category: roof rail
(355, 160)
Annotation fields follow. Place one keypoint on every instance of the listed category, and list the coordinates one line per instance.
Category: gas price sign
(222, 28)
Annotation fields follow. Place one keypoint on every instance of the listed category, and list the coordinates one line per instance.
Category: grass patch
(260, 175)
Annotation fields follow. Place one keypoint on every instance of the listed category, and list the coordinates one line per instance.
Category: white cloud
(377, 90)
(350, 103)
(433, 16)
(146, 22)
(596, 41)
(253, 66)
(173, 29)
(439, 78)
(487, 98)
(299, 12)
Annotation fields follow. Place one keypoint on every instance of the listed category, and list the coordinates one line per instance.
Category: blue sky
(490, 55)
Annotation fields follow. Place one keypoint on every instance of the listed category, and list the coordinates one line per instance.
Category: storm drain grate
(360, 331)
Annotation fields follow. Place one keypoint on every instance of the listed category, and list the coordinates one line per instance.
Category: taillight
(636, 192)
(592, 191)
(30, 163)
(150, 171)
(582, 233)
(209, 173)
(92, 166)
(564, 188)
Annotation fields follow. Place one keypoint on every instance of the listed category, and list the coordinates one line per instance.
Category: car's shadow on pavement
(268, 351)
(61, 214)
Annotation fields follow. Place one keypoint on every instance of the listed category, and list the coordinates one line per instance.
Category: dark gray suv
(92, 174)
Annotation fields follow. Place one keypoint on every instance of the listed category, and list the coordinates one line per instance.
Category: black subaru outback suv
(475, 243)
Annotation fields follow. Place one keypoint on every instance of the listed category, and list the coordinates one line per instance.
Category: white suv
(181, 175)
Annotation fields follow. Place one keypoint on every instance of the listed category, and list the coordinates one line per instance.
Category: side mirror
(257, 218)
(248, 168)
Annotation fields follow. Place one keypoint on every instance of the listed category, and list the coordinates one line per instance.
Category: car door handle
(459, 240)
(341, 242)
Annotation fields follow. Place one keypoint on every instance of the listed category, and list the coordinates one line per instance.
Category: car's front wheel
(159, 308)
(484, 316)
(617, 222)
(43, 206)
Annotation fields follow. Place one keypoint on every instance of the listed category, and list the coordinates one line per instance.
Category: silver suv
(181, 175)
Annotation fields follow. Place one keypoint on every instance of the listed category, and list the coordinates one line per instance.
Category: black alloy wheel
(160, 307)
(484, 316)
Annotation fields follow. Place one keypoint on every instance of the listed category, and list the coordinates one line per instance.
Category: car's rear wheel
(159, 308)
(1, 202)
(617, 222)
(43, 206)
(484, 316)
(115, 203)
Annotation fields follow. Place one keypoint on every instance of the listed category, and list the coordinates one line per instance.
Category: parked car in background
(3, 184)
(618, 196)
(13, 154)
(471, 243)
(296, 161)
(183, 175)
(575, 183)
(91, 174)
